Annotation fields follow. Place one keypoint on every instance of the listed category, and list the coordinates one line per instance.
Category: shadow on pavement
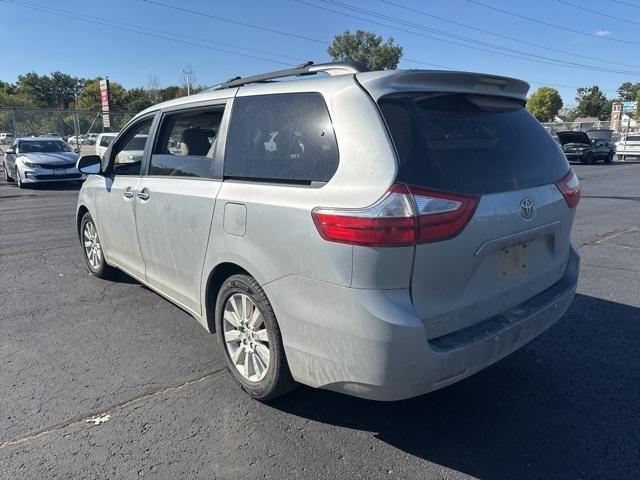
(565, 406)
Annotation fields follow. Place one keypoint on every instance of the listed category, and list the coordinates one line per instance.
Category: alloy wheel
(92, 247)
(245, 337)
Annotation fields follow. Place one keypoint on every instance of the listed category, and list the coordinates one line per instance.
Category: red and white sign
(104, 95)
(104, 100)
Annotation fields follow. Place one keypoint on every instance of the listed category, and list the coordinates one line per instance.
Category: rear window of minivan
(470, 144)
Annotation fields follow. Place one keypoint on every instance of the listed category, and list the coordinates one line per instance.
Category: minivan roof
(380, 83)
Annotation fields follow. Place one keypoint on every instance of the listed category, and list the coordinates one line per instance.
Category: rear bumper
(371, 343)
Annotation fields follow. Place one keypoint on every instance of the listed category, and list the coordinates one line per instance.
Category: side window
(284, 137)
(187, 143)
(128, 153)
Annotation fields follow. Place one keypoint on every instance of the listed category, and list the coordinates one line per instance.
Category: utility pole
(188, 73)
(76, 119)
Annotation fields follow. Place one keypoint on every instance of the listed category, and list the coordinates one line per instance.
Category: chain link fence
(556, 127)
(25, 122)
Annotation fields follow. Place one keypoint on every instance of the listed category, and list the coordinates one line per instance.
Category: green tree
(89, 98)
(137, 99)
(52, 91)
(629, 92)
(366, 48)
(592, 103)
(168, 93)
(544, 104)
(10, 96)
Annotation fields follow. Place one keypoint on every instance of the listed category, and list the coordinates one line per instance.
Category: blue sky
(42, 41)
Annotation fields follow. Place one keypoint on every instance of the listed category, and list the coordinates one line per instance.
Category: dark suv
(578, 147)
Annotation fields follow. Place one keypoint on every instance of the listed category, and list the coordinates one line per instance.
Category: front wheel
(609, 158)
(588, 160)
(249, 335)
(7, 176)
(92, 248)
(18, 179)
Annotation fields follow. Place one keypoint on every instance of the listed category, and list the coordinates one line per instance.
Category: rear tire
(250, 338)
(92, 248)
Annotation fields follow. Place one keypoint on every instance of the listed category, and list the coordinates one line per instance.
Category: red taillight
(569, 186)
(441, 215)
(405, 216)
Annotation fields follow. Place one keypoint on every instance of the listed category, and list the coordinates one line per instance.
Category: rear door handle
(128, 193)
(143, 194)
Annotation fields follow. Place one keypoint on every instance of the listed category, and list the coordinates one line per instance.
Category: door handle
(143, 194)
(128, 193)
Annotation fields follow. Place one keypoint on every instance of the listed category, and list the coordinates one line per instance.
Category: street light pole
(188, 73)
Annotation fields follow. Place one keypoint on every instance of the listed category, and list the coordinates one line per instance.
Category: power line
(237, 22)
(101, 21)
(120, 26)
(489, 32)
(548, 24)
(626, 3)
(518, 54)
(580, 7)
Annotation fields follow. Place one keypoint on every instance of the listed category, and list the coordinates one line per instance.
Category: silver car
(40, 159)
(380, 234)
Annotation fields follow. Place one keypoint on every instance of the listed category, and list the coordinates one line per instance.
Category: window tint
(470, 144)
(128, 153)
(186, 144)
(281, 138)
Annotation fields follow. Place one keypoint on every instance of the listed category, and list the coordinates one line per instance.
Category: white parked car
(75, 139)
(6, 138)
(103, 142)
(628, 145)
(43, 159)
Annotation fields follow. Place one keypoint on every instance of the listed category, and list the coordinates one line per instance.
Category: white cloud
(602, 33)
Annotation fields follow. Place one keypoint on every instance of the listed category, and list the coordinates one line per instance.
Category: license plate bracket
(514, 260)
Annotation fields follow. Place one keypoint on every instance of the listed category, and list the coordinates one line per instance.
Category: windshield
(634, 138)
(43, 146)
(470, 143)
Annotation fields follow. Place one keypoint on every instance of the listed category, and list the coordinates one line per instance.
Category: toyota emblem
(526, 208)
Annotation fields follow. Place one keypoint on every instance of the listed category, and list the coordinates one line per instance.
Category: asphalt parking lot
(75, 348)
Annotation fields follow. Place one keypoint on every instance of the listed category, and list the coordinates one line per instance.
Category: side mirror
(10, 151)
(89, 164)
(76, 150)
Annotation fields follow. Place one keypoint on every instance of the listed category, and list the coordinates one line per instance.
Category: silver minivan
(381, 234)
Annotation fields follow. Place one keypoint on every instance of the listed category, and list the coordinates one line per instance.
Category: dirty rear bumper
(372, 344)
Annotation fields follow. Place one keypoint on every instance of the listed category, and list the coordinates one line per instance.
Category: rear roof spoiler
(379, 84)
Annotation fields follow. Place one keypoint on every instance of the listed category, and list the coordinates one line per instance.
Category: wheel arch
(82, 210)
(216, 278)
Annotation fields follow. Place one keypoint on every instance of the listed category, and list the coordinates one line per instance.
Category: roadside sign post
(104, 100)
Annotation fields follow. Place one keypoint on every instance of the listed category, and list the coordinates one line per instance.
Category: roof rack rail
(307, 68)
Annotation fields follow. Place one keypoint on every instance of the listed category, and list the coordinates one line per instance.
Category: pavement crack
(83, 419)
(609, 235)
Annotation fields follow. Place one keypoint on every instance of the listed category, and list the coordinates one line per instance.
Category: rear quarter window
(470, 144)
(281, 138)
